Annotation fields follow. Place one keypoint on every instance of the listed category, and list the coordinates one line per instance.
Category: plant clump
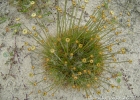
(79, 56)
(75, 61)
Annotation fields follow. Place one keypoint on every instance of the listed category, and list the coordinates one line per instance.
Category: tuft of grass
(68, 60)
(2, 19)
(78, 56)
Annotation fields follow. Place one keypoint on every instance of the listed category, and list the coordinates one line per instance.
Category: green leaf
(118, 80)
(119, 74)
(106, 5)
(2, 19)
(15, 25)
(5, 54)
(11, 54)
(47, 14)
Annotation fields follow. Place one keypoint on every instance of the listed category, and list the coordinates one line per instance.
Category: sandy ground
(14, 77)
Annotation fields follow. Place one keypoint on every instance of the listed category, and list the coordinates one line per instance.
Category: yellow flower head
(112, 86)
(109, 49)
(104, 27)
(79, 73)
(91, 56)
(80, 45)
(123, 40)
(56, 7)
(34, 28)
(52, 94)
(111, 12)
(96, 78)
(76, 41)
(114, 59)
(33, 15)
(71, 54)
(24, 31)
(108, 78)
(129, 25)
(39, 91)
(74, 68)
(98, 64)
(75, 78)
(130, 61)
(26, 43)
(116, 33)
(47, 59)
(97, 37)
(15, 30)
(85, 71)
(35, 34)
(91, 16)
(94, 20)
(42, 41)
(39, 16)
(74, 3)
(98, 7)
(101, 53)
(17, 19)
(73, 75)
(45, 93)
(128, 20)
(128, 14)
(59, 39)
(33, 47)
(108, 90)
(46, 30)
(52, 50)
(84, 60)
(123, 50)
(73, 86)
(31, 74)
(29, 49)
(91, 39)
(89, 72)
(91, 61)
(83, 7)
(59, 9)
(67, 40)
(30, 32)
(44, 78)
(98, 92)
(118, 87)
(86, 1)
(35, 84)
(33, 67)
(32, 2)
(88, 85)
(65, 62)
